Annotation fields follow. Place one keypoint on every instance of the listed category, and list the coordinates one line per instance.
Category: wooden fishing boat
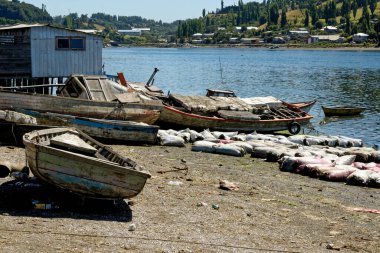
(229, 114)
(304, 106)
(72, 160)
(100, 128)
(85, 96)
(342, 111)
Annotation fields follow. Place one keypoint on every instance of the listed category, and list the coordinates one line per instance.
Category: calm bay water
(332, 77)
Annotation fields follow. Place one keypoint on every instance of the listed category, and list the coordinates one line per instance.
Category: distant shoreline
(267, 46)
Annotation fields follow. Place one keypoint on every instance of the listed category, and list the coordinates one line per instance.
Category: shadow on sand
(31, 198)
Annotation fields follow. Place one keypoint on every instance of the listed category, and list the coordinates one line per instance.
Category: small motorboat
(342, 111)
(71, 160)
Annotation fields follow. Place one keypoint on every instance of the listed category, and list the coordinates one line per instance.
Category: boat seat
(73, 143)
(238, 115)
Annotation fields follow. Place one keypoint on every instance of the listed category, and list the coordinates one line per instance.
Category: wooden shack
(43, 54)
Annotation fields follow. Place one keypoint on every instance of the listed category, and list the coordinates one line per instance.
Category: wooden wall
(15, 53)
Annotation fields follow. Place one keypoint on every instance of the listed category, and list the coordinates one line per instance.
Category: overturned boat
(83, 96)
(71, 160)
(230, 114)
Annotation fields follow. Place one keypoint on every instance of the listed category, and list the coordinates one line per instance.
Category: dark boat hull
(342, 111)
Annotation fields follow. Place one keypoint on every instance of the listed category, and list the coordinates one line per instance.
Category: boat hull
(304, 106)
(173, 117)
(138, 112)
(342, 111)
(88, 176)
(99, 128)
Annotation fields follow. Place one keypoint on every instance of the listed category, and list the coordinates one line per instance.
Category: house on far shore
(330, 29)
(248, 41)
(360, 37)
(234, 40)
(238, 29)
(132, 32)
(44, 54)
(249, 28)
(278, 40)
(298, 34)
(197, 41)
(197, 35)
(324, 38)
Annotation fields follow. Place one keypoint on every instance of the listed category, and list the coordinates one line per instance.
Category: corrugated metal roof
(23, 26)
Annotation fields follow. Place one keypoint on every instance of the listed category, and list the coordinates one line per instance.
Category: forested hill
(351, 16)
(15, 12)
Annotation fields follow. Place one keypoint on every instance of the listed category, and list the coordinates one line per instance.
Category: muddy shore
(181, 209)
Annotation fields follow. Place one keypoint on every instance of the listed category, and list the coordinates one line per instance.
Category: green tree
(222, 5)
(203, 12)
(346, 8)
(372, 5)
(307, 21)
(348, 25)
(283, 17)
(354, 8)
(273, 13)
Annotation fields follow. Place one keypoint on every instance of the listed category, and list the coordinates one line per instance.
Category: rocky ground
(182, 209)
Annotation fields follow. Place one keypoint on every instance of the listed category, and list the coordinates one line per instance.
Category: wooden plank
(73, 142)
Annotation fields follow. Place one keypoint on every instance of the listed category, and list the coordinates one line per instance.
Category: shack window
(63, 43)
(73, 43)
(77, 43)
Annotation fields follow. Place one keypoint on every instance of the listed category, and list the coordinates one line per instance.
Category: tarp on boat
(205, 104)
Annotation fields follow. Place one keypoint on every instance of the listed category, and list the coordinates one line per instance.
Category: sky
(165, 10)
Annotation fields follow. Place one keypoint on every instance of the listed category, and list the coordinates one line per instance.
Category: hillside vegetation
(14, 11)
(280, 16)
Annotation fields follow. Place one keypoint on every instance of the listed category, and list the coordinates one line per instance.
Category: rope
(14, 136)
(150, 239)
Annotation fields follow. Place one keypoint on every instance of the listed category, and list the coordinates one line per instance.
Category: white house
(329, 38)
(197, 35)
(234, 40)
(278, 40)
(237, 29)
(198, 41)
(298, 34)
(130, 32)
(249, 28)
(249, 41)
(330, 29)
(360, 37)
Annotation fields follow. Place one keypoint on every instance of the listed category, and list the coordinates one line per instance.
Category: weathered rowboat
(100, 128)
(304, 106)
(342, 111)
(71, 160)
(86, 96)
(201, 112)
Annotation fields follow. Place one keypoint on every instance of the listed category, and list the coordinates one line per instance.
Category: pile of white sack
(339, 169)
(333, 158)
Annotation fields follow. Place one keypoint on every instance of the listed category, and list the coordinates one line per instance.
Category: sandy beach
(182, 209)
